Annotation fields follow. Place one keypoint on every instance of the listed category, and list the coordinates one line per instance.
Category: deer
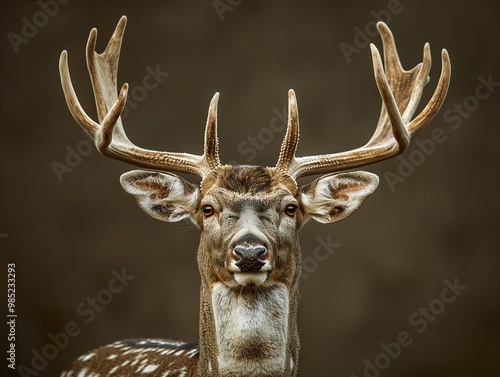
(249, 256)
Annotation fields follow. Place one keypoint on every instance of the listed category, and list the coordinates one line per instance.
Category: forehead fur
(248, 180)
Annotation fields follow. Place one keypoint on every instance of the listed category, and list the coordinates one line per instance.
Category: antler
(109, 135)
(400, 91)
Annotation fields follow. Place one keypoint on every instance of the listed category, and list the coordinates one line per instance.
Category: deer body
(249, 256)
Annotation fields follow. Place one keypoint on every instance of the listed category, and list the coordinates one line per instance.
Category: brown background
(440, 223)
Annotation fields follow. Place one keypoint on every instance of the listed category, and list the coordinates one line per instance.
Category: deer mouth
(250, 278)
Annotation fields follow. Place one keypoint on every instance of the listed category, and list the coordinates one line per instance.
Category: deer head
(249, 216)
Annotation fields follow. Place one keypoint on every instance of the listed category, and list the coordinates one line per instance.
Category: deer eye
(208, 210)
(290, 210)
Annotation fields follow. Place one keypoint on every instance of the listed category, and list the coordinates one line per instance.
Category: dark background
(67, 234)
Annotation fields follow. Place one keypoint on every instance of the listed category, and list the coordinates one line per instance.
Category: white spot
(111, 357)
(113, 370)
(149, 368)
(82, 373)
(88, 356)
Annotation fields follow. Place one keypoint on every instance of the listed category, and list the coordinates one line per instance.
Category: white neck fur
(251, 329)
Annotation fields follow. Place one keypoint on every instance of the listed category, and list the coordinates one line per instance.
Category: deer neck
(248, 331)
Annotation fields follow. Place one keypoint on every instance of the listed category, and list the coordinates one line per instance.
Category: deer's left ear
(333, 197)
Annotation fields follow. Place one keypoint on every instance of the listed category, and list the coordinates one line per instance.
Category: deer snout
(250, 259)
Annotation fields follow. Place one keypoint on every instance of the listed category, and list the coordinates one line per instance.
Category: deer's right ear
(163, 196)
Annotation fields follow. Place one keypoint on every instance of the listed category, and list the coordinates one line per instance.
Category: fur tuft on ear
(333, 197)
(163, 196)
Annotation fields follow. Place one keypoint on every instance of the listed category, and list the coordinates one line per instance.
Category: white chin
(250, 278)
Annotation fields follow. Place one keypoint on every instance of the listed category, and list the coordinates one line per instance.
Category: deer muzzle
(249, 260)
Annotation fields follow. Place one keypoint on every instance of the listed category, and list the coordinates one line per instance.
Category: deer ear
(333, 197)
(163, 196)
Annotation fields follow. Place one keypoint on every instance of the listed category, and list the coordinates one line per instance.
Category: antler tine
(103, 68)
(291, 140)
(74, 106)
(211, 148)
(437, 99)
(400, 91)
(108, 134)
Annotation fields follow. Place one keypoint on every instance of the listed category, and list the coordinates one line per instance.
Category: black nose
(250, 259)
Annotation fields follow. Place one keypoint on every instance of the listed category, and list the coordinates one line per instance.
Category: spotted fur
(138, 357)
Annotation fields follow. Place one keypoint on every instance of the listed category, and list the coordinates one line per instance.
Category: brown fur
(248, 180)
